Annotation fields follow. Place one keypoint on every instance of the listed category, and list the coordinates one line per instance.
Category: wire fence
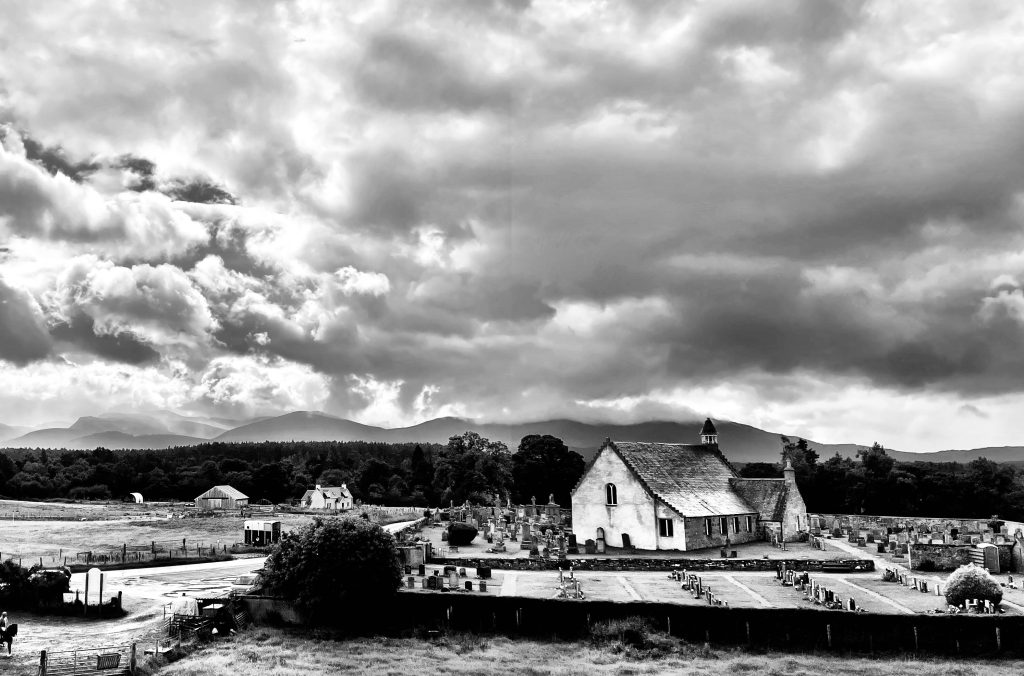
(168, 550)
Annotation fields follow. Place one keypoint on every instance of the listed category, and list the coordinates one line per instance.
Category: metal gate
(108, 661)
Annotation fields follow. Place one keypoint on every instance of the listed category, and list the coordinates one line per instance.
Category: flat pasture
(55, 539)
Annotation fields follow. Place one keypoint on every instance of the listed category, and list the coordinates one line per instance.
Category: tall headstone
(93, 582)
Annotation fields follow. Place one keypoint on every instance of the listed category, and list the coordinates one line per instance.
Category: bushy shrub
(972, 582)
(460, 534)
(334, 564)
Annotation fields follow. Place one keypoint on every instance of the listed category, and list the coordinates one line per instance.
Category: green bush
(460, 534)
(972, 582)
(334, 564)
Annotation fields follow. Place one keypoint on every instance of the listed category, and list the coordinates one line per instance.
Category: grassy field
(52, 539)
(263, 652)
(125, 525)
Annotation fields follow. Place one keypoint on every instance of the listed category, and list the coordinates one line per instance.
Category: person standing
(5, 634)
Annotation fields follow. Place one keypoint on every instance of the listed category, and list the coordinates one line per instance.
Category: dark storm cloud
(80, 333)
(402, 72)
(568, 202)
(23, 336)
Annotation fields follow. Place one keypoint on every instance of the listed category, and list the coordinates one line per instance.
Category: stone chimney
(318, 487)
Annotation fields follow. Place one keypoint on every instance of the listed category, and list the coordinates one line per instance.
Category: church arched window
(611, 494)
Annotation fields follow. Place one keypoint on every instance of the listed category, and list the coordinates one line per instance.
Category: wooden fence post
(131, 662)
(42, 663)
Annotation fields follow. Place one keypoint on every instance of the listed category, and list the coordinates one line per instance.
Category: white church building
(680, 497)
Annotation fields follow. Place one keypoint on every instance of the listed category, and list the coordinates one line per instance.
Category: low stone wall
(656, 565)
(951, 557)
(775, 629)
(271, 610)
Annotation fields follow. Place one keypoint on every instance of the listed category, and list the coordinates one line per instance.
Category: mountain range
(155, 430)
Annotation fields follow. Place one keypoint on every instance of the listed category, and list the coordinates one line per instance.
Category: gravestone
(94, 585)
(626, 544)
(589, 547)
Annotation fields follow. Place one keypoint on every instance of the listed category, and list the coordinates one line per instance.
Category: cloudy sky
(806, 216)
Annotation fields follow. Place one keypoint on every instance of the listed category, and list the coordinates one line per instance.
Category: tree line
(875, 483)
(468, 467)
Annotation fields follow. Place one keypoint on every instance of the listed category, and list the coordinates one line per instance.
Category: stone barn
(222, 497)
(679, 497)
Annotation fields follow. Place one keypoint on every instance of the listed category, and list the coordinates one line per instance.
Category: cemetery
(928, 544)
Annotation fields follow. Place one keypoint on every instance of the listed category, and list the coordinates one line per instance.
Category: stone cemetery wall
(950, 557)
(759, 628)
(879, 522)
(647, 564)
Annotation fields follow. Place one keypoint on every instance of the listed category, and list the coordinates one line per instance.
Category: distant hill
(163, 429)
(51, 437)
(120, 440)
(10, 431)
(993, 453)
(303, 426)
(741, 443)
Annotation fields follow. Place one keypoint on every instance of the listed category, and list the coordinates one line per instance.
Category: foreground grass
(262, 652)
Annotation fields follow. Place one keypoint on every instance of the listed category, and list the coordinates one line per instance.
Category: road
(145, 585)
(145, 592)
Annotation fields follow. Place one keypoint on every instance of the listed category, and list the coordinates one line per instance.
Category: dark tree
(544, 465)
(472, 468)
(333, 564)
(760, 470)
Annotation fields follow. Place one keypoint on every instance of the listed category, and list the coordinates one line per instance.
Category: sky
(801, 215)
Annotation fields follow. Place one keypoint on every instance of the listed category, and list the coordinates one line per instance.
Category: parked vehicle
(245, 584)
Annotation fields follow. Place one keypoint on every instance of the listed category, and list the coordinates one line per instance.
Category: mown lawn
(263, 652)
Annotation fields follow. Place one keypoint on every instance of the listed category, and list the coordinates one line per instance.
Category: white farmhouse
(327, 497)
(681, 497)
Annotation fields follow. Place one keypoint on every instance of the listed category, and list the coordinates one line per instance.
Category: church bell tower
(708, 434)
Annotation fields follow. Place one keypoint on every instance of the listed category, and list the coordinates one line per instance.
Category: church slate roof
(692, 479)
(767, 496)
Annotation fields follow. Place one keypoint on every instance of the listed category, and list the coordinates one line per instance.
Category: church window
(665, 528)
(707, 526)
(735, 524)
(723, 524)
(611, 494)
(750, 524)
